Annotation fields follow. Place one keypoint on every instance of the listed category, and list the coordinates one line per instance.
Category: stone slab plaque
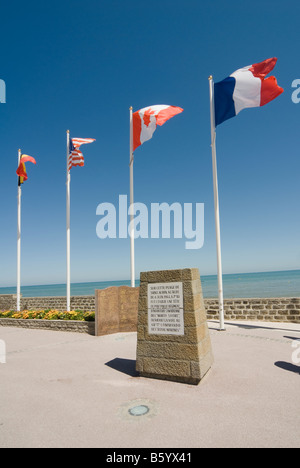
(116, 310)
(165, 309)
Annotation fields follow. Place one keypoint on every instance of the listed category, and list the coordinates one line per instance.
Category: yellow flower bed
(49, 314)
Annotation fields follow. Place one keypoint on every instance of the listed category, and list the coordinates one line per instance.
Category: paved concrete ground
(60, 389)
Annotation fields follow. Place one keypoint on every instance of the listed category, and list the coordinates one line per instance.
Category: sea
(267, 284)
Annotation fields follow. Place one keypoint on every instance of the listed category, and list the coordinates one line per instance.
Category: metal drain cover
(138, 410)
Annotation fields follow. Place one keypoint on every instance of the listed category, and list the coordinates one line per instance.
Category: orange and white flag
(146, 120)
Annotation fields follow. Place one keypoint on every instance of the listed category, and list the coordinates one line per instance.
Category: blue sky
(80, 66)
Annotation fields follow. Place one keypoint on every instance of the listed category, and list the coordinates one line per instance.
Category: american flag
(75, 155)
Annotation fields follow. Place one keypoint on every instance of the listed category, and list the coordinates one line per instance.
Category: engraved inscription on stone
(165, 309)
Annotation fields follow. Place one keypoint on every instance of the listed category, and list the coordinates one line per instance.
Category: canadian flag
(146, 120)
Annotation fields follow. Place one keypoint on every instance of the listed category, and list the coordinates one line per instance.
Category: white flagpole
(19, 243)
(131, 158)
(216, 200)
(68, 227)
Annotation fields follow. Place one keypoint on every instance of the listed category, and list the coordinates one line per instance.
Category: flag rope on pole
(19, 242)
(68, 225)
(22, 177)
(74, 158)
(131, 160)
(143, 124)
(216, 202)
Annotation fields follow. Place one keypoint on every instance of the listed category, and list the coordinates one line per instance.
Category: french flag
(246, 87)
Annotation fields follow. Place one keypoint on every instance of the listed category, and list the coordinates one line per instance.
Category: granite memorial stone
(173, 341)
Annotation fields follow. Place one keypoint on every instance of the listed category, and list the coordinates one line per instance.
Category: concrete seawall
(281, 309)
(85, 303)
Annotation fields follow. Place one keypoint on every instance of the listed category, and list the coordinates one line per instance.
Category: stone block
(177, 345)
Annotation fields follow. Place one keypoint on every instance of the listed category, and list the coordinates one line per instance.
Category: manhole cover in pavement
(138, 410)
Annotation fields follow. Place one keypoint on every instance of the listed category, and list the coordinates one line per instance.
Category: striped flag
(75, 155)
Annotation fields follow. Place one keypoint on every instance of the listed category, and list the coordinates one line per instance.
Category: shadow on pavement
(288, 366)
(127, 366)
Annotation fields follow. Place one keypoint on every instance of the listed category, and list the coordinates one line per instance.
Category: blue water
(270, 284)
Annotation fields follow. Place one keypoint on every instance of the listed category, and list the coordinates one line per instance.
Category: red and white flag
(75, 155)
(146, 120)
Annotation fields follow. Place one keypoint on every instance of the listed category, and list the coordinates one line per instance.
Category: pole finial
(130, 108)
(210, 77)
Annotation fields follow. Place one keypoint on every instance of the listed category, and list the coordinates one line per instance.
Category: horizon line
(137, 279)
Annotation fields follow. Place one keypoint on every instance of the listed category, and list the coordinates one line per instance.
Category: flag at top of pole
(75, 155)
(245, 88)
(21, 171)
(146, 120)
(143, 124)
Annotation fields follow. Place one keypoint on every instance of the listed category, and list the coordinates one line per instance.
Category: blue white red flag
(246, 87)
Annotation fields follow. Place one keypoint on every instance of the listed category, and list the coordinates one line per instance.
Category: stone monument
(173, 341)
(116, 310)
